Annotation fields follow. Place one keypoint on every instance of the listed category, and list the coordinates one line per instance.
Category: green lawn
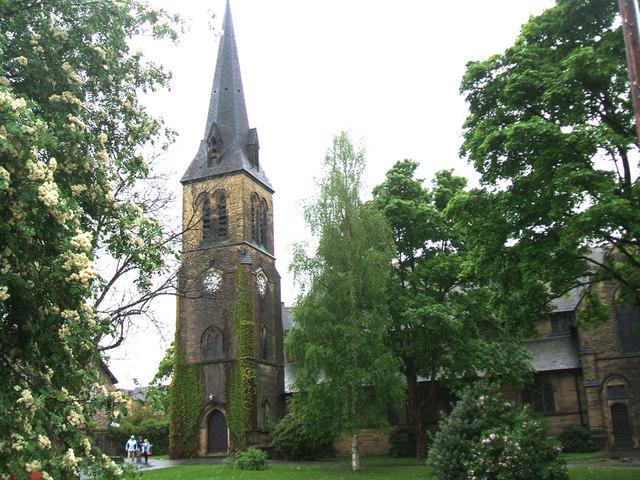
(280, 472)
(305, 472)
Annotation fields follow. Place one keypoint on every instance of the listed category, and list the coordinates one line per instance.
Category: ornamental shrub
(293, 440)
(251, 459)
(522, 450)
(485, 438)
(460, 431)
(402, 441)
(576, 438)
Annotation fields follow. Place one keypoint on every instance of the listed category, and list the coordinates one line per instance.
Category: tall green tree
(551, 130)
(72, 134)
(443, 325)
(346, 373)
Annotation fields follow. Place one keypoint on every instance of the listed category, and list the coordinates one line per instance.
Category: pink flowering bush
(522, 450)
(486, 438)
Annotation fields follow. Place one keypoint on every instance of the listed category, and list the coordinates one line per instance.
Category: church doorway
(620, 421)
(217, 433)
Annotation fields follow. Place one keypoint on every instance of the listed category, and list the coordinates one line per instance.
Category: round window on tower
(212, 282)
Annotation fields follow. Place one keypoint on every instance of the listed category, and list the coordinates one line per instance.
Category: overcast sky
(388, 72)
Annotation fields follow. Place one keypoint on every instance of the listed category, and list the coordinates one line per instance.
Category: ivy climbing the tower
(186, 401)
(242, 388)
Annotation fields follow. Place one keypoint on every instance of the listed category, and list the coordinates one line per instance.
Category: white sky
(388, 72)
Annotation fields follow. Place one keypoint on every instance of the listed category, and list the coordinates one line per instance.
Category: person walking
(131, 448)
(146, 450)
(139, 451)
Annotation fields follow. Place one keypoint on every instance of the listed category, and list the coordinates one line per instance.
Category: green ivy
(242, 388)
(186, 401)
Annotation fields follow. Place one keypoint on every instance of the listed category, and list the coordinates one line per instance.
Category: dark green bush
(251, 459)
(402, 441)
(576, 438)
(292, 440)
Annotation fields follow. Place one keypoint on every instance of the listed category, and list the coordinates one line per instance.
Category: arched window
(255, 218)
(540, 395)
(212, 344)
(203, 208)
(222, 219)
(264, 224)
(263, 342)
(628, 320)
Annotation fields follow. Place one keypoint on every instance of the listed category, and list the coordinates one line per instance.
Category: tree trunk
(421, 440)
(355, 452)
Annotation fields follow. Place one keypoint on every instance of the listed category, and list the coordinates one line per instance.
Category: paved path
(627, 459)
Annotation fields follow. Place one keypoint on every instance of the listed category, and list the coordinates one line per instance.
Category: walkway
(626, 459)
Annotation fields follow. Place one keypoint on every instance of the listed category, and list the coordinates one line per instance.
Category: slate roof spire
(229, 145)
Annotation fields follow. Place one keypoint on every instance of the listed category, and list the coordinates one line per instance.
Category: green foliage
(242, 388)
(576, 438)
(250, 459)
(402, 441)
(551, 130)
(346, 373)
(186, 401)
(443, 323)
(486, 438)
(71, 139)
(293, 440)
(158, 394)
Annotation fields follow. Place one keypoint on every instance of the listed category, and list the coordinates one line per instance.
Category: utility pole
(630, 15)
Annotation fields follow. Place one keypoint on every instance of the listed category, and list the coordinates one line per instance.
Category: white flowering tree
(72, 134)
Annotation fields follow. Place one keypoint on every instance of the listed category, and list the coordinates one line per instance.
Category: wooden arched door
(217, 433)
(620, 421)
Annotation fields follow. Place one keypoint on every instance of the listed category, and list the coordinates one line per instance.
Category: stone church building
(229, 320)
(228, 388)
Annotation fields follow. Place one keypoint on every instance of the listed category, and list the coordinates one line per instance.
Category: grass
(343, 472)
(282, 472)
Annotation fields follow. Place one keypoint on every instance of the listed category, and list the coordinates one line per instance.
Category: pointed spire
(229, 144)
(227, 108)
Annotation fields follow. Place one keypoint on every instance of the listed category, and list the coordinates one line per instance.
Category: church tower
(228, 381)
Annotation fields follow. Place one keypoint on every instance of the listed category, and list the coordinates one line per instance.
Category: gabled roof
(227, 119)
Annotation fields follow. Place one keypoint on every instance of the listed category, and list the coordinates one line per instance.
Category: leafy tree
(346, 375)
(551, 130)
(443, 326)
(72, 135)
(158, 392)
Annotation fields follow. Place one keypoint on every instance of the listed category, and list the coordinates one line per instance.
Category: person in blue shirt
(131, 447)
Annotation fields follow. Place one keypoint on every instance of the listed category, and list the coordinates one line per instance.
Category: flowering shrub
(485, 438)
(520, 451)
(71, 137)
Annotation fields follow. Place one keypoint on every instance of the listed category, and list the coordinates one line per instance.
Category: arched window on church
(203, 208)
(222, 219)
(255, 218)
(212, 344)
(264, 224)
(263, 342)
(628, 321)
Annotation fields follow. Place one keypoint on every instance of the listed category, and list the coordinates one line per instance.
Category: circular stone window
(212, 282)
